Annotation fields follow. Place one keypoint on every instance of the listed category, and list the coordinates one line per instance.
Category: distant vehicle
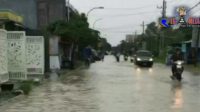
(95, 56)
(143, 58)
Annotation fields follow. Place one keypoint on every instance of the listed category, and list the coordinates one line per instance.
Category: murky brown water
(113, 87)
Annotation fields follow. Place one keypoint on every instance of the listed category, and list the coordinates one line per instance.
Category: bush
(26, 87)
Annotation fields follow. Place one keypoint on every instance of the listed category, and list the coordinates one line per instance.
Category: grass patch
(160, 60)
(26, 87)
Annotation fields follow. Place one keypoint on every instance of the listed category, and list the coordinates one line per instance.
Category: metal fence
(16, 55)
(35, 55)
(20, 55)
(3, 57)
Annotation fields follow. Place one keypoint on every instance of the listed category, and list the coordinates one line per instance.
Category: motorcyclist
(175, 57)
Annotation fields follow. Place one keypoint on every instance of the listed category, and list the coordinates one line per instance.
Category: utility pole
(143, 32)
(164, 7)
(143, 27)
(161, 38)
(135, 34)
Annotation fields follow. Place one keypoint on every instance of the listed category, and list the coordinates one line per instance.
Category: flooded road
(113, 87)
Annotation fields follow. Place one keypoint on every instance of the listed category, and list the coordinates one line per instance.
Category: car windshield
(144, 54)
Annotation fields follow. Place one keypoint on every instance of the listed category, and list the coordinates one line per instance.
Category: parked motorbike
(178, 70)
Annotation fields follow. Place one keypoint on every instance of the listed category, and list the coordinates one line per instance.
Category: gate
(35, 55)
(4, 77)
(16, 55)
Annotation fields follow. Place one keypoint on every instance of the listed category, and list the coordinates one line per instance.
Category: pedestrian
(102, 53)
(87, 54)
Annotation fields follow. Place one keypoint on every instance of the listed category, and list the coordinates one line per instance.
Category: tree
(154, 36)
(76, 30)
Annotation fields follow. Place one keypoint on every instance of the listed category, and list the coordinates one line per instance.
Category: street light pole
(93, 9)
(96, 22)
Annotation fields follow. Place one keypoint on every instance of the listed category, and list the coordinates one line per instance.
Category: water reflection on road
(113, 87)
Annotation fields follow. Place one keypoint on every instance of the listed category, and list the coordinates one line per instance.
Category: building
(38, 14)
(24, 8)
(50, 11)
(130, 38)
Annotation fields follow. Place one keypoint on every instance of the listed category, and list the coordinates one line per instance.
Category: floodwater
(113, 87)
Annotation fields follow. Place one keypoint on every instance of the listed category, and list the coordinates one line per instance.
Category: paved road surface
(113, 87)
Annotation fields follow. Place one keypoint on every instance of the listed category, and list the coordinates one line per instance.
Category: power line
(195, 12)
(125, 15)
(193, 7)
(121, 27)
(146, 6)
(130, 8)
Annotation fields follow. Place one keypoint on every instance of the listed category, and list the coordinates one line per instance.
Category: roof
(9, 15)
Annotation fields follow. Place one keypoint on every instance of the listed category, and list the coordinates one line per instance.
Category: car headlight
(138, 59)
(151, 59)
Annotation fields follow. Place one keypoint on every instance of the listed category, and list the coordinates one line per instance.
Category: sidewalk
(52, 76)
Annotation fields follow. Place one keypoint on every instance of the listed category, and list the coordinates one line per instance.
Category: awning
(8, 15)
(187, 42)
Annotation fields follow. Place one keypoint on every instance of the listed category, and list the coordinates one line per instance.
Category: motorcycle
(178, 70)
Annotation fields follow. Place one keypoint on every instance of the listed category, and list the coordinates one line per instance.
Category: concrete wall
(25, 8)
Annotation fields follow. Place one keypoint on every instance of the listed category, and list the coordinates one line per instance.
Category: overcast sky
(121, 17)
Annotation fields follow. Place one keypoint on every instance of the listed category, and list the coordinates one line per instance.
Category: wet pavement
(113, 87)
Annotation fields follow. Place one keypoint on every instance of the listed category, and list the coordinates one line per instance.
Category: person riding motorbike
(177, 56)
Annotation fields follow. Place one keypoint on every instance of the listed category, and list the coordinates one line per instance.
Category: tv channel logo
(164, 22)
(168, 22)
